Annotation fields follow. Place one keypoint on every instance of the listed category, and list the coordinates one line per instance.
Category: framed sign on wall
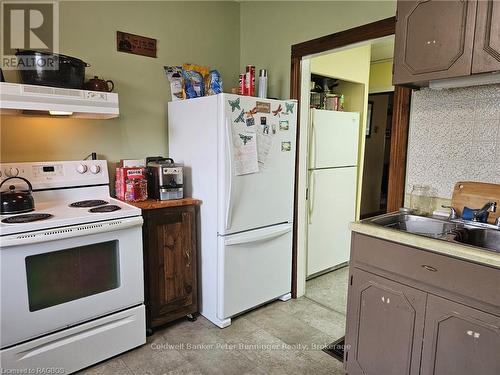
(135, 44)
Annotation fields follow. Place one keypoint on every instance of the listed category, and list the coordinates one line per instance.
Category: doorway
(377, 155)
(328, 288)
(399, 131)
(350, 116)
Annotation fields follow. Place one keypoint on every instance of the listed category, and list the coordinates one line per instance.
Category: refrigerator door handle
(229, 148)
(312, 144)
(312, 180)
(265, 235)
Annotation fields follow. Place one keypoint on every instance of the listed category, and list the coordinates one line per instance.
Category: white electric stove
(72, 287)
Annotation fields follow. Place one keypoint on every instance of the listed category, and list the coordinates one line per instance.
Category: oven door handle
(70, 231)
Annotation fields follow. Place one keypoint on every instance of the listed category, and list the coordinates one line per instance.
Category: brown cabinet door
(384, 326)
(434, 40)
(172, 263)
(487, 38)
(459, 340)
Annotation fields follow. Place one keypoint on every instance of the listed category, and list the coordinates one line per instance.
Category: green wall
(226, 35)
(200, 32)
(270, 28)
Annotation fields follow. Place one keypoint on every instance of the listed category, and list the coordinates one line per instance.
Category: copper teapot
(97, 84)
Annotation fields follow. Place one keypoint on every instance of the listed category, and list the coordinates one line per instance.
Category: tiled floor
(280, 338)
(330, 290)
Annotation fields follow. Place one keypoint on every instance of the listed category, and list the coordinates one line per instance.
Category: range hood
(467, 81)
(18, 99)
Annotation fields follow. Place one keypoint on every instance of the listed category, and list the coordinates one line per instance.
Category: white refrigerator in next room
(238, 154)
(332, 187)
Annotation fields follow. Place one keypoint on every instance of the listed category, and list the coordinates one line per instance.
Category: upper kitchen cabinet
(434, 40)
(487, 39)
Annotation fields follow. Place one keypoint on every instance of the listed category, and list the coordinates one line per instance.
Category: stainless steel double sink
(469, 233)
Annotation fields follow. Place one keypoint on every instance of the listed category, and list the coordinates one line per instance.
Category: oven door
(61, 277)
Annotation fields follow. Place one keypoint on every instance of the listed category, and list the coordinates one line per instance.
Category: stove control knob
(12, 172)
(82, 168)
(95, 169)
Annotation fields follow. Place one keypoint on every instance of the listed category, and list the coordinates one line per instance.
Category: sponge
(468, 214)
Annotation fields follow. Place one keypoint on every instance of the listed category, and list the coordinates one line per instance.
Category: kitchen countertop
(153, 204)
(453, 249)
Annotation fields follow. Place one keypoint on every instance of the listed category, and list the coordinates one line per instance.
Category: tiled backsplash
(454, 136)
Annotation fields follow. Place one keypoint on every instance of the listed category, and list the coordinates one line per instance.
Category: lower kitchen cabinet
(411, 311)
(459, 340)
(170, 264)
(386, 319)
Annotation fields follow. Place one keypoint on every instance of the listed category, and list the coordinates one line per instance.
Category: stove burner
(28, 218)
(88, 203)
(108, 208)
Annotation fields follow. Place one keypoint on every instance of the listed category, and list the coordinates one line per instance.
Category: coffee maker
(165, 178)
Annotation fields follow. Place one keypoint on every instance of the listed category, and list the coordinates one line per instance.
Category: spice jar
(136, 190)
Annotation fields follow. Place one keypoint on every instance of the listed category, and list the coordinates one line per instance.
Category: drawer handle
(188, 257)
(429, 268)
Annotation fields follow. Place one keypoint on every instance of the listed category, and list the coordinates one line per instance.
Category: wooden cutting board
(475, 195)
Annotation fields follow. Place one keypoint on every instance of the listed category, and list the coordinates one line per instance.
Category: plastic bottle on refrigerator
(262, 83)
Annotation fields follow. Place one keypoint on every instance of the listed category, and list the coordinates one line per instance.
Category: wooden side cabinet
(170, 264)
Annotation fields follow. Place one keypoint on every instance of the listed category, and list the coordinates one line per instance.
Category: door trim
(401, 110)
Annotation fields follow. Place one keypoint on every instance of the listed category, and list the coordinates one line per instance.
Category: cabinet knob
(473, 334)
(429, 268)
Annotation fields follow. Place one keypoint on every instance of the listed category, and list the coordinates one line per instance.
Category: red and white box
(127, 173)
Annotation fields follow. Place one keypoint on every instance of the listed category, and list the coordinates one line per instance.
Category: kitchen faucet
(488, 207)
(453, 212)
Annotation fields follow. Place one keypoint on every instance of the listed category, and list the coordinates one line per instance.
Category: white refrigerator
(332, 187)
(239, 159)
